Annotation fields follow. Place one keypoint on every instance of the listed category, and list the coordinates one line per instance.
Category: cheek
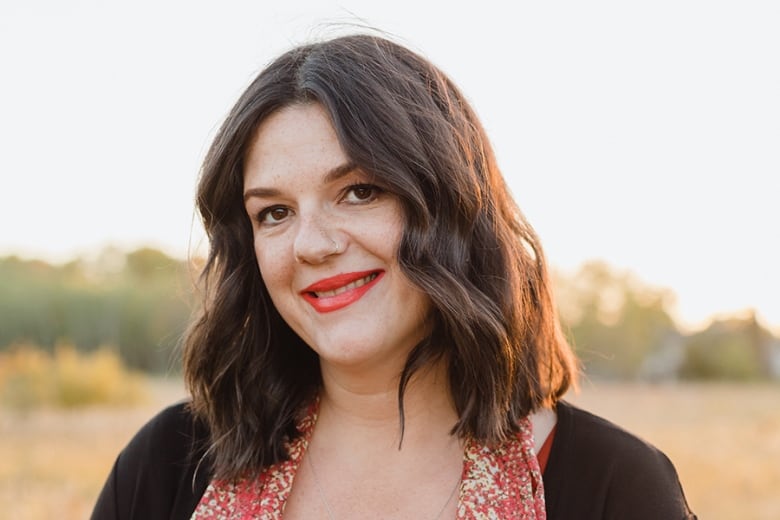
(386, 235)
(273, 270)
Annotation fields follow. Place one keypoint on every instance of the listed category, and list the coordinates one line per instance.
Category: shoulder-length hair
(465, 244)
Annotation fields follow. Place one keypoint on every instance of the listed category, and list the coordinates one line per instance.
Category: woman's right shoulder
(166, 431)
(162, 472)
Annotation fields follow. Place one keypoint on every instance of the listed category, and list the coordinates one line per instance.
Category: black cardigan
(595, 470)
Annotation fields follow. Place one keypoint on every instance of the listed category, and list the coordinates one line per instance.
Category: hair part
(465, 244)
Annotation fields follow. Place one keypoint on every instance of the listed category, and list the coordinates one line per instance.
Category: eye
(273, 215)
(361, 193)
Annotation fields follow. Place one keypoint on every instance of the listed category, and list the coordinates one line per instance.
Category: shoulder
(166, 436)
(602, 439)
(162, 471)
(599, 467)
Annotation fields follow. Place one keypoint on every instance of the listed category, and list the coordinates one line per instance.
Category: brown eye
(278, 213)
(273, 215)
(361, 193)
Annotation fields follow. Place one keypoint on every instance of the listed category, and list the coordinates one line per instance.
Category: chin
(355, 355)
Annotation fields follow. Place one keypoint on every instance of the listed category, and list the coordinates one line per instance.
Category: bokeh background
(640, 139)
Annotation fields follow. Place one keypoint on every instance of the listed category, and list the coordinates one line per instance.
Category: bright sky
(643, 133)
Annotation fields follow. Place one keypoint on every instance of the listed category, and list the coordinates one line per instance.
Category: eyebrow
(332, 175)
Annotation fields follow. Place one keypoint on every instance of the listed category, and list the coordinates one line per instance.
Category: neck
(357, 459)
(358, 405)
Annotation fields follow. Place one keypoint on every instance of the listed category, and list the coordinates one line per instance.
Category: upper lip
(340, 280)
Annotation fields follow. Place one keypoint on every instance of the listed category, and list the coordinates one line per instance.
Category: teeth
(352, 285)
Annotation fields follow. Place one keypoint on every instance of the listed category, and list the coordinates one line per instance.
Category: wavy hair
(465, 244)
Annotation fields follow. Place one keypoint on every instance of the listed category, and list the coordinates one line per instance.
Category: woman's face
(326, 241)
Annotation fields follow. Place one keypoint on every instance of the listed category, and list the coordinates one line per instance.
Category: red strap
(544, 453)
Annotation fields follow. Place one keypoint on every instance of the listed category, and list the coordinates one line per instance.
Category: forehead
(295, 139)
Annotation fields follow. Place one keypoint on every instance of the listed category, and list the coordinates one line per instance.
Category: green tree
(139, 303)
(728, 349)
(615, 321)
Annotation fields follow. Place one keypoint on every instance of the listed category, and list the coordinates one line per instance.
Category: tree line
(139, 304)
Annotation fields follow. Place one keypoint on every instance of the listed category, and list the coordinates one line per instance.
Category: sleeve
(597, 470)
(159, 474)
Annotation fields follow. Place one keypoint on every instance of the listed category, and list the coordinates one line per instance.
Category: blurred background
(641, 141)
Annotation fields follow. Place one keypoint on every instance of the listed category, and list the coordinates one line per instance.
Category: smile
(352, 285)
(339, 291)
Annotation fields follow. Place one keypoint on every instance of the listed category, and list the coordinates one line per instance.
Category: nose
(315, 241)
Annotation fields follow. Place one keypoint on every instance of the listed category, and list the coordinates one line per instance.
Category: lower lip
(334, 303)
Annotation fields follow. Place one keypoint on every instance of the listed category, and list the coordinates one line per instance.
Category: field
(724, 440)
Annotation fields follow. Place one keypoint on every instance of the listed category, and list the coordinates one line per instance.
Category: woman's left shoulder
(601, 437)
(600, 467)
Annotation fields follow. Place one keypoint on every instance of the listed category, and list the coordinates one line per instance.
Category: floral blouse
(498, 483)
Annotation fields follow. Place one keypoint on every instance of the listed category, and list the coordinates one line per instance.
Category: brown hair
(465, 243)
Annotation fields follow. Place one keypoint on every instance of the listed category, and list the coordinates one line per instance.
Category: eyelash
(374, 192)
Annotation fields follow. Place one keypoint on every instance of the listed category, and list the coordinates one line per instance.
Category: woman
(378, 337)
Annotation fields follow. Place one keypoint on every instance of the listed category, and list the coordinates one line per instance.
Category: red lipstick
(336, 292)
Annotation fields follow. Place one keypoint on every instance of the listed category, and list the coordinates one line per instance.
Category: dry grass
(53, 462)
(724, 440)
(31, 378)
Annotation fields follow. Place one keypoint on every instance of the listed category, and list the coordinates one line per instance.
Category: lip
(338, 301)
